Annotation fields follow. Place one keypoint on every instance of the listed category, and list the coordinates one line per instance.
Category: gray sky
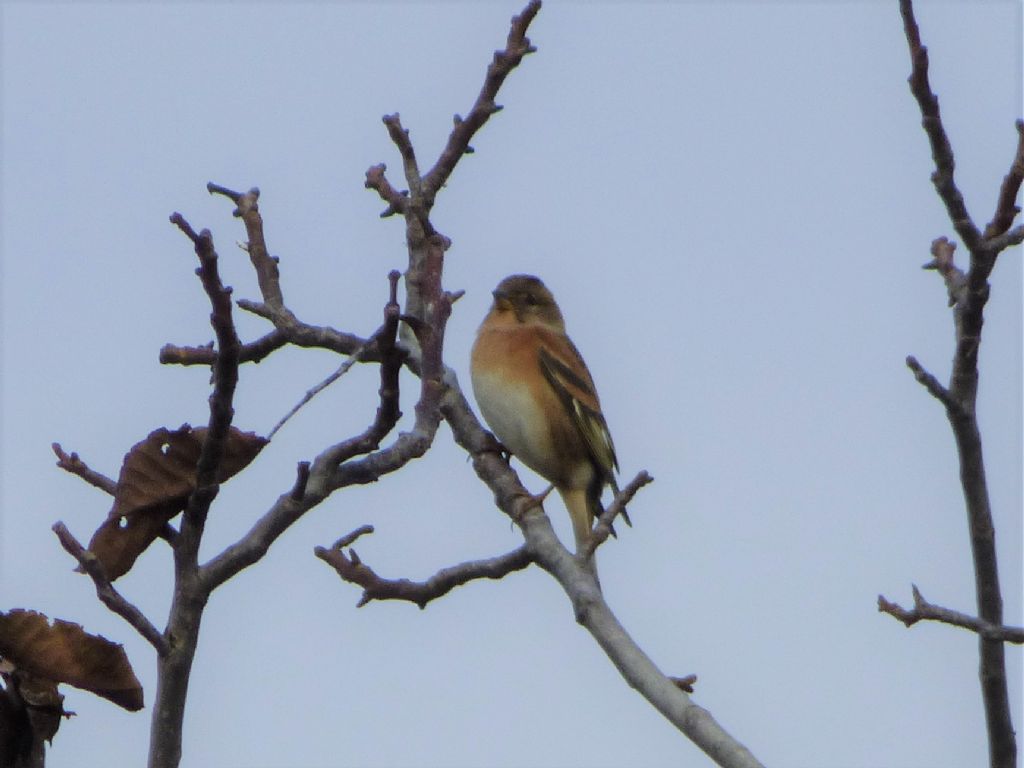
(731, 203)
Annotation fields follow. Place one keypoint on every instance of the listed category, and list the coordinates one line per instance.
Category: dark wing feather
(579, 398)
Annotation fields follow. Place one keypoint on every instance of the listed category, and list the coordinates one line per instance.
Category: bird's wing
(565, 371)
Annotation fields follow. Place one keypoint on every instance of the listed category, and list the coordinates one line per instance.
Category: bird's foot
(495, 446)
(528, 501)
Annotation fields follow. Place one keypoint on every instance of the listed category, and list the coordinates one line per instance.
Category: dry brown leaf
(162, 468)
(119, 541)
(65, 653)
(157, 477)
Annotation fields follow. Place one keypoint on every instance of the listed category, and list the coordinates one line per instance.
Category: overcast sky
(731, 202)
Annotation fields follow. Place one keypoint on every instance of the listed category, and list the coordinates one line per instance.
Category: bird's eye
(530, 299)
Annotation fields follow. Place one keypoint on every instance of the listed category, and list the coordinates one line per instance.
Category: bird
(538, 397)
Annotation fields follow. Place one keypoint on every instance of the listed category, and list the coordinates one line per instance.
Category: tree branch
(931, 121)
(376, 180)
(516, 47)
(603, 529)
(253, 352)
(934, 387)
(106, 591)
(925, 611)
(427, 310)
(76, 466)
(174, 667)
(969, 293)
(400, 137)
(267, 274)
(942, 261)
(1006, 207)
(317, 481)
(225, 379)
(354, 571)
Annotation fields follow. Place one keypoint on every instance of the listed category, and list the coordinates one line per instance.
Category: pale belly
(508, 410)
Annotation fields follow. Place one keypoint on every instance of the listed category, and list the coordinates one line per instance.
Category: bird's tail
(581, 513)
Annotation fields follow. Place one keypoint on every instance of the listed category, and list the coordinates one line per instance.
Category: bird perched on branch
(538, 398)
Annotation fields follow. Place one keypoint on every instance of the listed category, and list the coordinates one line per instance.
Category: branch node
(934, 387)
(684, 684)
(301, 479)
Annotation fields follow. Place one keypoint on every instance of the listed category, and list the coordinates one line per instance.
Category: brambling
(538, 398)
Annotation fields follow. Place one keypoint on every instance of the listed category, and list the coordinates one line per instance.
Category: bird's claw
(528, 501)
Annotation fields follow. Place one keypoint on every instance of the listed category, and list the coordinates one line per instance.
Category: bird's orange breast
(522, 409)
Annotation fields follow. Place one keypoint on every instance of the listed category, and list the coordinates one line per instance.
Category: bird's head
(526, 299)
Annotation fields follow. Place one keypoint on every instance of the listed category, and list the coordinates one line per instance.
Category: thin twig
(73, 464)
(267, 274)
(225, 379)
(317, 480)
(397, 201)
(353, 570)
(925, 611)
(603, 528)
(384, 341)
(106, 591)
(253, 352)
(1006, 206)
(340, 371)
(942, 261)
(516, 47)
(933, 385)
(400, 137)
(942, 152)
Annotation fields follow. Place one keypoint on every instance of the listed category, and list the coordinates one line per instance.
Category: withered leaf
(162, 468)
(118, 542)
(157, 477)
(65, 653)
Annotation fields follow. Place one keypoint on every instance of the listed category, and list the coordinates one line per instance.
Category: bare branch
(685, 683)
(925, 611)
(400, 136)
(253, 352)
(1006, 207)
(397, 201)
(247, 209)
(384, 340)
(340, 371)
(225, 378)
(301, 481)
(353, 570)
(516, 47)
(934, 387)
(76, 466)
(388, 412)
(106, 591)
(931, 121)
(1006, 240)
(969, 294)
(317, 481)
(603, 529)
(942, 262)
(580, 586)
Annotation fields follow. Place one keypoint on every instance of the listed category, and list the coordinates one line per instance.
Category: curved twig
(353, 570)
(925, 611)
(107, 593)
